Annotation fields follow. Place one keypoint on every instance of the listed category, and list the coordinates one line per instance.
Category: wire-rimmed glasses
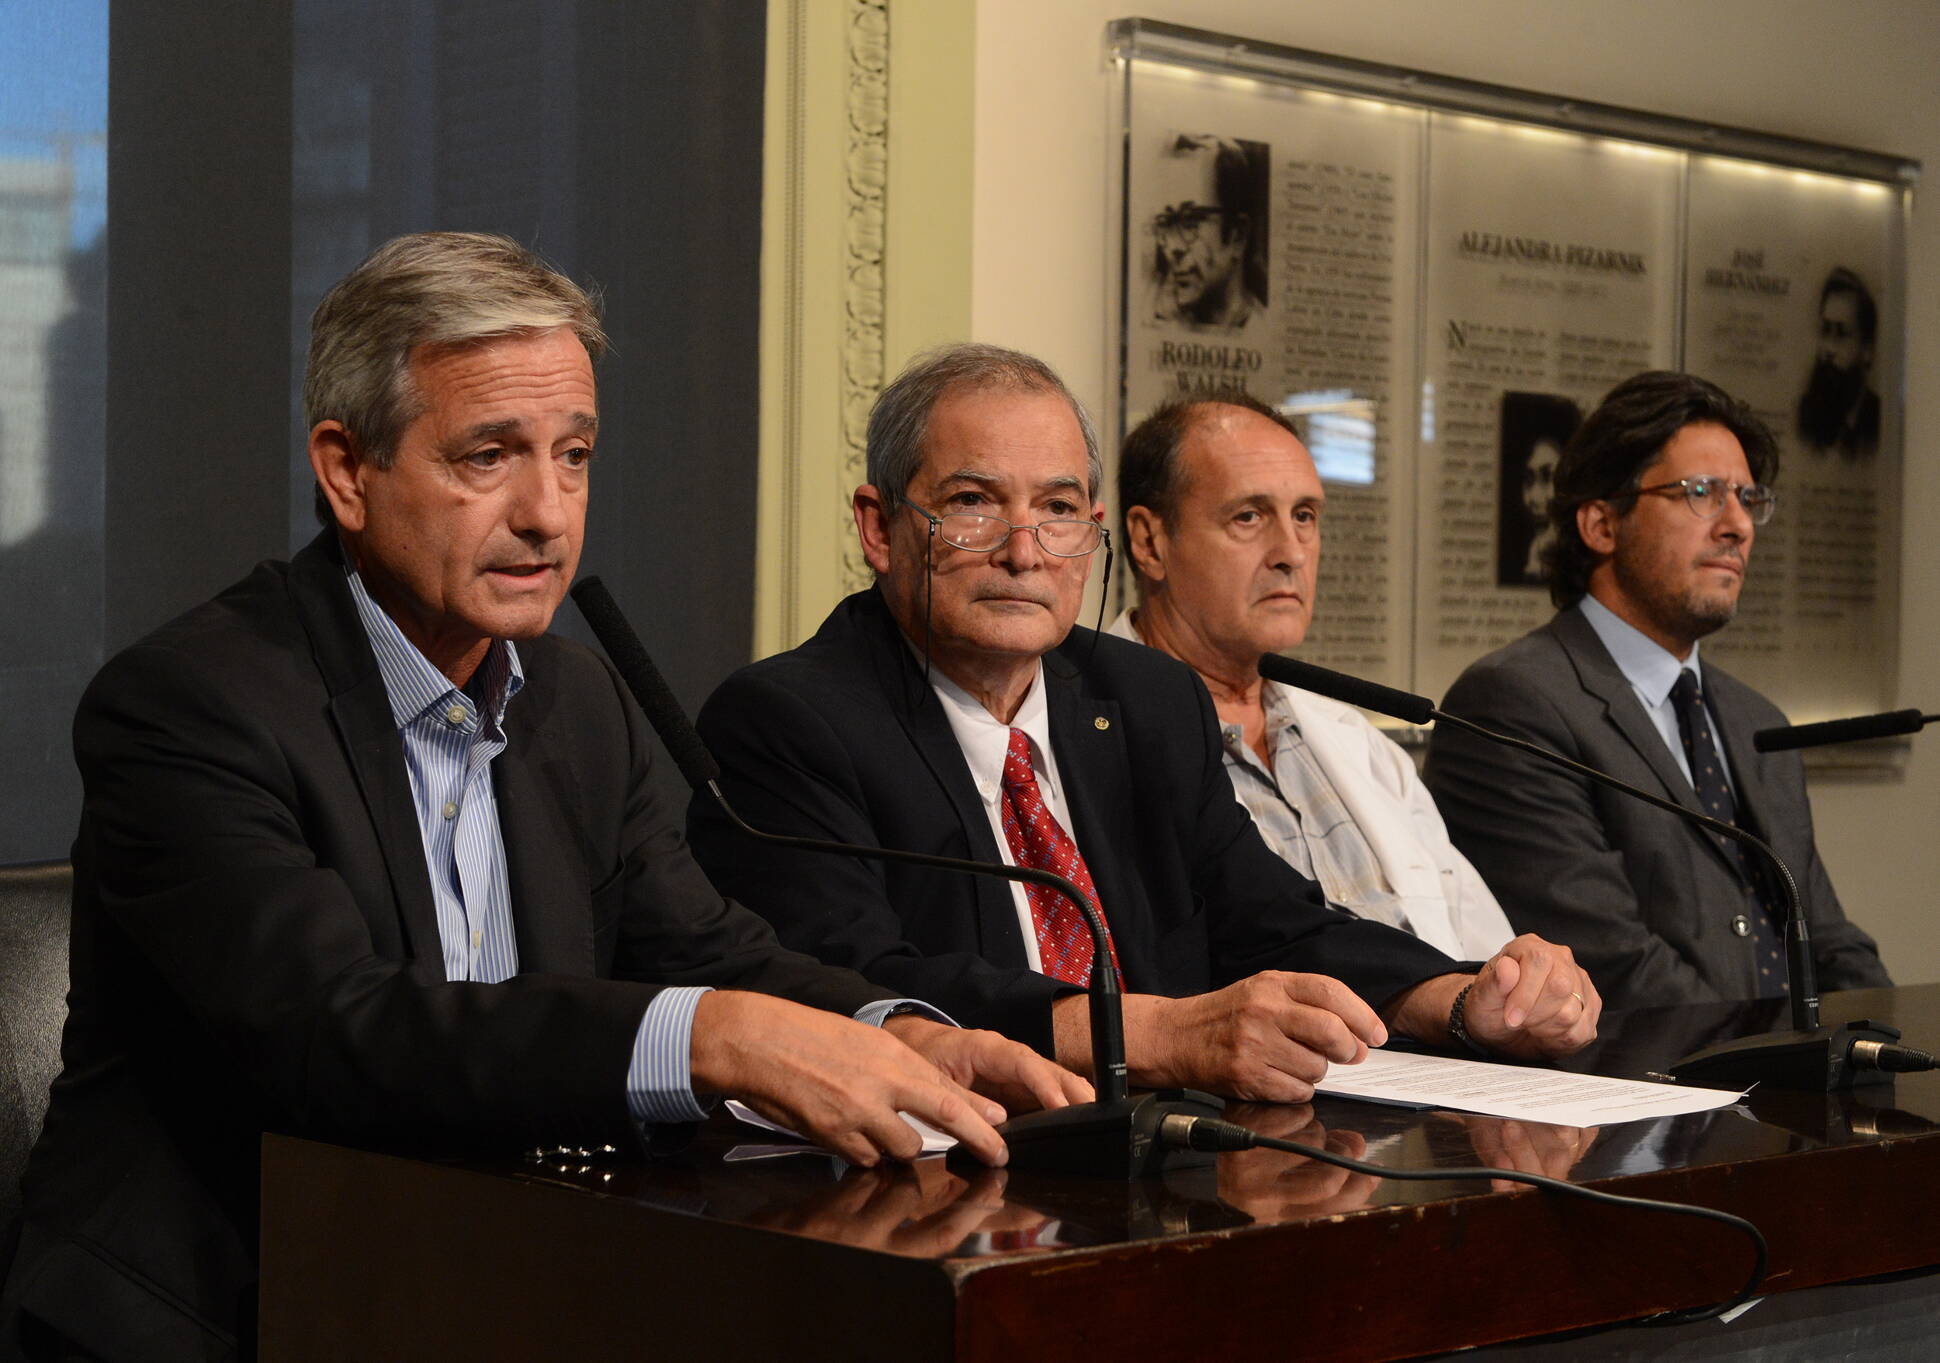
(981, 534)
(1706, 495)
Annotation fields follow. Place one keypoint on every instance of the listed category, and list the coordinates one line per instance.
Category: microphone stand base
(1117, 1140)
(1818, 1061)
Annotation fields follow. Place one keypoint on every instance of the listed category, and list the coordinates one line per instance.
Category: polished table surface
(596, 1255)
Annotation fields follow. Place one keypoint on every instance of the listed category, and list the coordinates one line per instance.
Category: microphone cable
(1210, 1133)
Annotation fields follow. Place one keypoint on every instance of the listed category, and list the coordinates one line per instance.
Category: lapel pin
(1101, 723)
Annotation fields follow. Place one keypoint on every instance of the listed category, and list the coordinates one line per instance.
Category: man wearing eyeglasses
(954, 707)
(1658, 501)
(1209, 239)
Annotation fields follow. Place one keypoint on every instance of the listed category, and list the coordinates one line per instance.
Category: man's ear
(1596, 522)
(1145, 542)
(872, 526)
(339, 472)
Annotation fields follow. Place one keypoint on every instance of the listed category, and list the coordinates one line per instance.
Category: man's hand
(1267, 1038)
(836, 1081)
(1530, 1001)
(990, 1064)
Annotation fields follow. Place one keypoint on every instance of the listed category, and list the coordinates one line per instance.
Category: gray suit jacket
(1645, 899)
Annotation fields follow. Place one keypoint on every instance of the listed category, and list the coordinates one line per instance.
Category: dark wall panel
(671, 123)
(259, 148)
(199, 234)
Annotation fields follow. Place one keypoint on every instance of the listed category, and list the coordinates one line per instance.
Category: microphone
(1788, 736)
(1114, 1136)
(1809, 1056)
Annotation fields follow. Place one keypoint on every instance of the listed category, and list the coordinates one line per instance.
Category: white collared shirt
(985, 741)
(1652, 671)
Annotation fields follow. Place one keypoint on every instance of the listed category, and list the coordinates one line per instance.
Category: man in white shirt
(1658, 500)
(1222, 512)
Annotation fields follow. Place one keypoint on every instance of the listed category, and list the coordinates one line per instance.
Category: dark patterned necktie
(1714, 795)
(1063, 941)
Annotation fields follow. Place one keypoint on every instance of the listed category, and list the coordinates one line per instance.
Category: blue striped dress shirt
(450, 738)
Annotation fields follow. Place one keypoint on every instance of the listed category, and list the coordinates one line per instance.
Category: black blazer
(255, 947)
(1645, 899)
(841, 739)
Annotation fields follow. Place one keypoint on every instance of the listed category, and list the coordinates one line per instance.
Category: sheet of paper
(1528, 1094)
(934, 1141)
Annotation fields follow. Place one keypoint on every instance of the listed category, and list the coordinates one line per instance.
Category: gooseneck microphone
(1810, 1056)
(1788, 736)
(1113, 1137)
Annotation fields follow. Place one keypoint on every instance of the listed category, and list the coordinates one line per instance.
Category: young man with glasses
(955, 707)
(1658, 501)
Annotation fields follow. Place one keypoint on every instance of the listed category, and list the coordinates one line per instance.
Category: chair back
(34, 911)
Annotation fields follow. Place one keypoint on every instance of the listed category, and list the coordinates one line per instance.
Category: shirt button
(1741, 925)
(478, 935)
(451, 812)
(456, 714)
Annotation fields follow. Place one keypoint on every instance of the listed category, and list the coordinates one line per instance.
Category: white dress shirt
(1411, 876)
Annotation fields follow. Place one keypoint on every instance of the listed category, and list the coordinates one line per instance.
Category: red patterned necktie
(1063, 942)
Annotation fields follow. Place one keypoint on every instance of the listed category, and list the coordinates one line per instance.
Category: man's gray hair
(428, 289)
(899, 423)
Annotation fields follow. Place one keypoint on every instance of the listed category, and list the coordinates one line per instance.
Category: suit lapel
(900, 678)
(538, 810)
(1602, 678)
(1090, 746)
(361, 712)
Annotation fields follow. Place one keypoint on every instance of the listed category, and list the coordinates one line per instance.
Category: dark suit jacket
(255, 946)
(1644, 898)
(841, 739)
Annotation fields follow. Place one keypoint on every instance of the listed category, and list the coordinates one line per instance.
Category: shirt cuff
(879, 1012)
(660, 1078)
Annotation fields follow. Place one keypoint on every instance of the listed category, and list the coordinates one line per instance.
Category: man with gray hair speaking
(954, 707)
(355, 863)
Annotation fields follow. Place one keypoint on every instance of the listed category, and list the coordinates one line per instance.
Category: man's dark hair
(1842, 280)
(1618, 441)
(1241, 178)
(1148, 468)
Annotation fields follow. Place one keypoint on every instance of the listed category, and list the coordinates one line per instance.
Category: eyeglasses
(1706, 495)
(982, 534)
(1183, 223)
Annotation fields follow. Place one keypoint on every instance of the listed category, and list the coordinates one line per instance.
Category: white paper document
(934, 1141)
(1528, 1094)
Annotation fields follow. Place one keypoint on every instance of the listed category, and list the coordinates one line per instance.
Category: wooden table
(371, 1255)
